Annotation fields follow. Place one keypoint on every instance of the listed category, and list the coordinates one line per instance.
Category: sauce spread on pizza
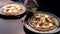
(12, 9)
(42, 22)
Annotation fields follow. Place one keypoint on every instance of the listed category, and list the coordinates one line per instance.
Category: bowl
(56, 29)
(11, 15)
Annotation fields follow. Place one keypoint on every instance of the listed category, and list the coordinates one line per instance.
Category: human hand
(27, 1)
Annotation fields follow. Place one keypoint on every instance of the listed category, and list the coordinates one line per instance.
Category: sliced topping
(46, 16)
(14, 10)
(37, 25)
(50, 24)
(33, 21)
(42, 19)
(37, 19)
(51, 21)
(10, 11)
(46, 19)
(19, 8)
(41, 24)
(44, 26)
(7, 10)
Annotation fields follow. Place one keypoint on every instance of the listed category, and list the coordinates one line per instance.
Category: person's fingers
(26, 2)
(36, 3)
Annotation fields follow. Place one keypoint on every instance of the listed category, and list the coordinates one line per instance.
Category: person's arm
(26, 2)
(36, 3)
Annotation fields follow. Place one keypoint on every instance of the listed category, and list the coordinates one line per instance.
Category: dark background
(52, 6)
